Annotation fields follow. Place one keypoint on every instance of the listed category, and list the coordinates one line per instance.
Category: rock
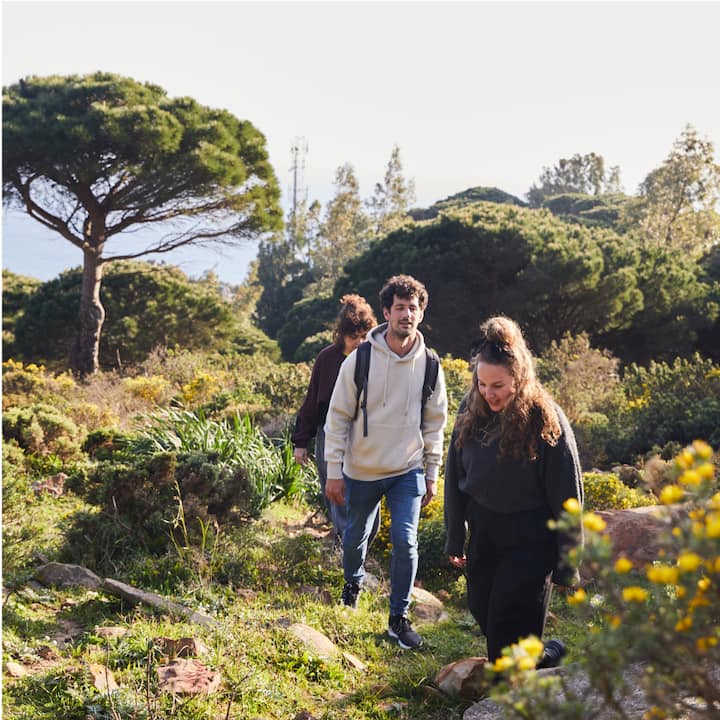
(246, 594)
(15, 669)
(187, 677)
(182, 647)
(634, 703)
(133, 595)
(638, 533)
(465, 678)
(67, 575)
(102, 678)
(421, 595)
(428, 608)
(47, 652)
(304, 715)
(315, 641)
(110, 632)
(354, 662)
(53, 485)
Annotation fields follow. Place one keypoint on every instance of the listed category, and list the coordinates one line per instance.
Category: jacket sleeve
(455, 503)
(563, 480)
(340, 417)
(308, 417)
(434, 419)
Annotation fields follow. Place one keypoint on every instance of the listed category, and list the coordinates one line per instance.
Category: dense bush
(608, 492)
(676, 402)
(42, 429)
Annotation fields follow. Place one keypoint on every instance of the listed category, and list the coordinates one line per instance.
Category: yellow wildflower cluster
(594, 522)
(150, 388)
(201, 388)
(523, 655)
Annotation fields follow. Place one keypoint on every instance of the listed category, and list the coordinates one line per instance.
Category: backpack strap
(362, 370)
(432, 368)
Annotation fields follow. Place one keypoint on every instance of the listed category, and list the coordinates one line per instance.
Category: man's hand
(457, 561)
(301, 455)
(335, 490)
(430, 492)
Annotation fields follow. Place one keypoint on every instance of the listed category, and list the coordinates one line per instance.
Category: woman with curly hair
(511, 465)
(355, 319)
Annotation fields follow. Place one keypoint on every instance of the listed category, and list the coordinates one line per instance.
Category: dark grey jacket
(474, 472)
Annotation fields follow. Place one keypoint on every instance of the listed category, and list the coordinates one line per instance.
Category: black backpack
(362, 370)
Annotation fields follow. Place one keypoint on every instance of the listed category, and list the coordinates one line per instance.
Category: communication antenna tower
(298, 152)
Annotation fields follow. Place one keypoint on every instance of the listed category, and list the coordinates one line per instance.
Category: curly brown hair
(404, 286)
(530, 413)
(355, 316)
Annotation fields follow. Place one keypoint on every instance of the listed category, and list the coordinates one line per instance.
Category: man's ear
(386, 314)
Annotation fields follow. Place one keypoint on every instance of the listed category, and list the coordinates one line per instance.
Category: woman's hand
(457, 561)
(301, 455)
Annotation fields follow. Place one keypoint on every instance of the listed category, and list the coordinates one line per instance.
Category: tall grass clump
(233, 442)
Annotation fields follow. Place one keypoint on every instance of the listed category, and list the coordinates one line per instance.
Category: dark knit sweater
(474, 473)
(314, 409)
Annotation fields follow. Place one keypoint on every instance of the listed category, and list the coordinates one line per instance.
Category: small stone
(465, 678)
(110, 632)
(14, 669)
(102, 678)
(187, 677)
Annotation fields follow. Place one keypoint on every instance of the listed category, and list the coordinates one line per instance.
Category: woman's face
(352, 341)
(495, 384)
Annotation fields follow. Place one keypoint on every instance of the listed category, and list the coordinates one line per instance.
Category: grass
(254, 593)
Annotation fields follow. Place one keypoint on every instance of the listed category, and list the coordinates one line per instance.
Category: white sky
(474, 93)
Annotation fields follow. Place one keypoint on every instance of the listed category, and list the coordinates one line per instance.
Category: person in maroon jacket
(354, 321)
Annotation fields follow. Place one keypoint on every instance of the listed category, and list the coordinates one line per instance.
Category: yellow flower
(578, 597)
(677, 532)
(683, 624)
(698, 601)
(685, 460)
(715, 501)
(688, 561)
(572, 506)
(614, 621)
(634, 594)
(704, 584)
(712, 525)
(680, 591)
(594, 522)
(662, 574)
(526, 663)
(532, 646)
(502, 663)
(623, 565)
(671, 494)
(706, 471)
(654, 713)
(713, 565)
(702, 449)
(702, 645)
(690, 477)
(698, 529)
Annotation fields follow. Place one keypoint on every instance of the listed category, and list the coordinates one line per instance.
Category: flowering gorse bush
(663, 618)
(605, 491)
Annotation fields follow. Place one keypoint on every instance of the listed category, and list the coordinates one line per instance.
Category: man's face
(404, 316)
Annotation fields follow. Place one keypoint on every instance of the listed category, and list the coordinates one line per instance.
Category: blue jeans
(403, 494)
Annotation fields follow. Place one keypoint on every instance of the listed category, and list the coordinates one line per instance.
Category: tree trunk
(86, 349)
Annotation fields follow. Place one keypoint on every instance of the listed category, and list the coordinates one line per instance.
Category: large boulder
(640, 533)
(465, 678)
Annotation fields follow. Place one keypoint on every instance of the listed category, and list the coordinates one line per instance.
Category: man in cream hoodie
(399, 458)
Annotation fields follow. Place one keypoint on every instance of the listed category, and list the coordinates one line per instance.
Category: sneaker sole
(394, 636)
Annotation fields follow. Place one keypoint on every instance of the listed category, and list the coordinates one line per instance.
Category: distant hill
(467, 197)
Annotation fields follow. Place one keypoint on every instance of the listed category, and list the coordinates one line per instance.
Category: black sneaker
(552, 655)
(350, 594)
(400, 629)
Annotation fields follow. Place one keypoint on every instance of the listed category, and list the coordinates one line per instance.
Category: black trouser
(510, 559)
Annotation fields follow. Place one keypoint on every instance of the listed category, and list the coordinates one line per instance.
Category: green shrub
(42, 429)
(668, 403)
(606, 492)
(311, 346)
